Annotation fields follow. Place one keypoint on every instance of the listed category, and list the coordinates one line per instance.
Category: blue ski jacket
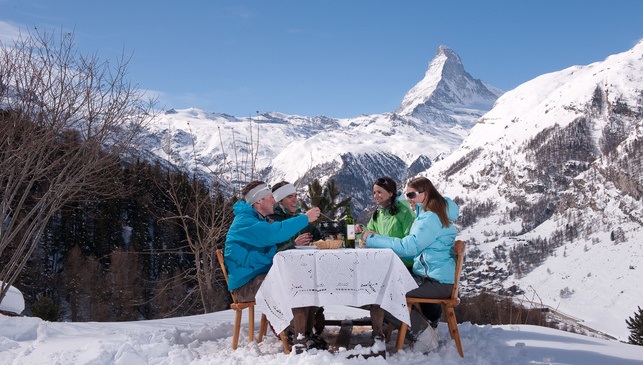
(251, 242)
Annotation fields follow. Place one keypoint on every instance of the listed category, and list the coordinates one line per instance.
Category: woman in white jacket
(430, 242)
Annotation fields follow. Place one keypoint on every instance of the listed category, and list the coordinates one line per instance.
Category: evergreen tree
(46, 309)
(325, 198)
(635, 325)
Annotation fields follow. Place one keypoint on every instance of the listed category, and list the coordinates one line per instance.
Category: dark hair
(278, 185)
(389, 185)
(433, 200)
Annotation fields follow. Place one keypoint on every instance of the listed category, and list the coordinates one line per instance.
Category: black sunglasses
(381, 181)
(413, 194)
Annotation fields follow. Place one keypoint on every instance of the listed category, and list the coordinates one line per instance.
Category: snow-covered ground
(206, 339)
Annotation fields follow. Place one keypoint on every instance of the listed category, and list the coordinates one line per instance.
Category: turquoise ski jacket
(251, 242)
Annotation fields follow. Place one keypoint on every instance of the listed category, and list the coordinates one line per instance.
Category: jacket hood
(453, 211)
(243, 208)
(399, 196)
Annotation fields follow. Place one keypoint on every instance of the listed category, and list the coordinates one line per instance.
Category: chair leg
(251, 323)
(401, 335)
(263, 327)
(284, 342)
(453, 328)
(237, 328)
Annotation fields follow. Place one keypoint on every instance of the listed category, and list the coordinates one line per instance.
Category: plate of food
(307, 247)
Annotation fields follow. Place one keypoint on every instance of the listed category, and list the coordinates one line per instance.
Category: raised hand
(313, 214)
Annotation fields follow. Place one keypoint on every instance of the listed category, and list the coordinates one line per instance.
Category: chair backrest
(225, 271)
(459, 251)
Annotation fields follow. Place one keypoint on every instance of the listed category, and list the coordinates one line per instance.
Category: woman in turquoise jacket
(393, 216)
(430, 242)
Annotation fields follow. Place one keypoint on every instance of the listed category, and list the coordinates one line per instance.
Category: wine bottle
(349, 237)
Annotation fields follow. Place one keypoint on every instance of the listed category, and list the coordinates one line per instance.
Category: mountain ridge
(299, 149)
(550, 182)
(548, 179)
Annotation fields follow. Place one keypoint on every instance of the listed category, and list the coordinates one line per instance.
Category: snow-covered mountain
(550, 183)
(447, 93)
(434, 118)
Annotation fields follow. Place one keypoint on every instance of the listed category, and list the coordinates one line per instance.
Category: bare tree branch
(205, 214)
(65, 118)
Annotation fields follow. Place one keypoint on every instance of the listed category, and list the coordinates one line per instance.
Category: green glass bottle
(349, 237)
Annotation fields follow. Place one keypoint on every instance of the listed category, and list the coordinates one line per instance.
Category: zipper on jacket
(425, 265)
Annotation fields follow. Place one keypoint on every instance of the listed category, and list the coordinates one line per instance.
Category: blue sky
(339, 58)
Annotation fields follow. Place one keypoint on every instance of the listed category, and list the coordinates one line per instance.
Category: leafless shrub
(65, 118)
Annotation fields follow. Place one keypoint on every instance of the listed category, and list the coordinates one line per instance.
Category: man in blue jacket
(251, 243)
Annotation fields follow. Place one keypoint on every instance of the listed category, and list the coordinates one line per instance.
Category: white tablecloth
(355, 277)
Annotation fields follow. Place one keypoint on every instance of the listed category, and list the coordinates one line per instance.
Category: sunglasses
(381, 181)
(413, 194)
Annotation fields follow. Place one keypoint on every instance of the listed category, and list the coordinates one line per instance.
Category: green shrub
(46, 309)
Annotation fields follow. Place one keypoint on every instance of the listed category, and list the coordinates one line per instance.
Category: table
(354, 277)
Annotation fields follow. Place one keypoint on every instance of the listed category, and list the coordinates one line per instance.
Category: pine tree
(46, 309)
(325, 198)
(635, 325)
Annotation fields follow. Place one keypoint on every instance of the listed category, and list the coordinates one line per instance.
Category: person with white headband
(287, 206)
(251, 243)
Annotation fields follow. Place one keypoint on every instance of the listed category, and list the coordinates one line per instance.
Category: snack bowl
(328, 244)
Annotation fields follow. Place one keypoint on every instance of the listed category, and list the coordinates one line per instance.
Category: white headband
(257, 193)
(284, 191)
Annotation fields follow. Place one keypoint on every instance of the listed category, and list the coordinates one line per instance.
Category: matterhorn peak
(446, 87)
(446, 58)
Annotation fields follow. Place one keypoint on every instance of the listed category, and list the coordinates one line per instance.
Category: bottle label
(350, 231)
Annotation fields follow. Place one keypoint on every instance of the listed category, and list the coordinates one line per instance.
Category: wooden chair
(238, 308)
(448, 304)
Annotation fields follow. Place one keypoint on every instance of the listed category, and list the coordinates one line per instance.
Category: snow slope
(206, 339)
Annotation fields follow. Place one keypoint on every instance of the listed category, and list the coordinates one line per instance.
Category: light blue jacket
(428, 242)
(251, 242)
